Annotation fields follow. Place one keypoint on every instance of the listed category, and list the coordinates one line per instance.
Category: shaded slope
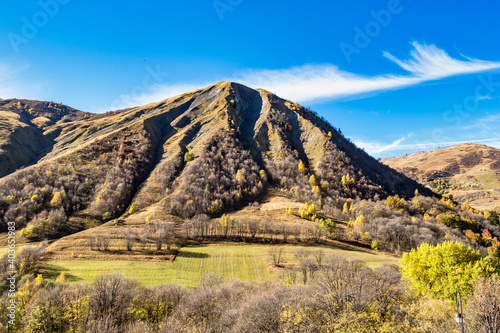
(21, 143)
(22, 127)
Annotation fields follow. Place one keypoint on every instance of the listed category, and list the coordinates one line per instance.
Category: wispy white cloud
(430, 62)
(312, 82)
(484, 98)
(376, 148)
(11, 87)
(491, 118)
(327, 82)
(490, 122)
(7, 88)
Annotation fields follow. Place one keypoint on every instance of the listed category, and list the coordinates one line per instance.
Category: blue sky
(395, 76)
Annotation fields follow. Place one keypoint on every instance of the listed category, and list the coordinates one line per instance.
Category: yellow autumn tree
(442, 269)
(347, 181)
(308, 211)
(316, 190)
(359, 222)
(312, 180)
(61, 278)
(302, 168)
(39, 279)
(347, 207)
(240, 175)
(395, 202)
(133, 208)
(56, 200)
(225, 223)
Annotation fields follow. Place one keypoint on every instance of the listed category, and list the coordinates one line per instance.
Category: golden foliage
(302, 168)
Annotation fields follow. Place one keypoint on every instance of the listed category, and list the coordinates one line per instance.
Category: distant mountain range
(470, 172)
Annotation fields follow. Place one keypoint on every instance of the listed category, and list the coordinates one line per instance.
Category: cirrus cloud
(313, 82)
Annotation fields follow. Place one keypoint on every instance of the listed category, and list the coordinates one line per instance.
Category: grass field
(486, 180)
(4, 249)
(245, 262)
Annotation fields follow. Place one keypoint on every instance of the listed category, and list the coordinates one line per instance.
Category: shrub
(111, 298)
(188, 156)
(493, 217)
(395, 202)
(453, 221)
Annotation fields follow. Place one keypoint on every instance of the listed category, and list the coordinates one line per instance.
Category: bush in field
(111, 299)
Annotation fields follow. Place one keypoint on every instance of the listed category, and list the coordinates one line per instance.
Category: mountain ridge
(203, 152)
(471, 172)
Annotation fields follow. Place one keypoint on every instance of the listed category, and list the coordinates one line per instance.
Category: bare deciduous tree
(483, 308)
(276, 255)
(188, 228)
(307, 268)
(285, 230)
(92, 242)
(253, 227)
(105, 242)
(130, 238)
(160, 233)
(302, 253)
(319, 254)
(111, 297)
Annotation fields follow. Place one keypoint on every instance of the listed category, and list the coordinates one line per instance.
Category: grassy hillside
(470, 172)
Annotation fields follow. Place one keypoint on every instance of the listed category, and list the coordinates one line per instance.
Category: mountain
(471, 172)
(206, 151)
(22, 127)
